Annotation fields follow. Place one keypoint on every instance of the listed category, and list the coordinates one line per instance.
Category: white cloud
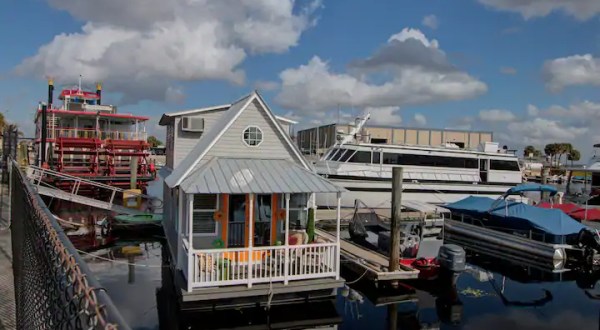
(263, 85)
(408, 69)
(431, 21)
(540, 131)
(495, 115)
(532, 110)
(580, 9)
(143, 48)
(508, 70)
(420, 119)
(572, 70)
(384, 115)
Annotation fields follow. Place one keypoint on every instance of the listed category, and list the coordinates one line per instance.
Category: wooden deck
(373, 265)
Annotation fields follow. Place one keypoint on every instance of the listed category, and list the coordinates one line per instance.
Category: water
(492, 294)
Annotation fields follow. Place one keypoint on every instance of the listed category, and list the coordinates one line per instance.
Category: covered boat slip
(545, 225)
(244, 223)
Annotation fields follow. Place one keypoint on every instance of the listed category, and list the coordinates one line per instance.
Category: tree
(154, 142)
(2, 122)
(529, 150)
(574, 156)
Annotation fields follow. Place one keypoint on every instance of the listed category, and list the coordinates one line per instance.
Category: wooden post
(133, 168)
(250, 237)
(286, 269)
(395, 227)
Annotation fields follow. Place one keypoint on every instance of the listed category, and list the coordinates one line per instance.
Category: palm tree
(2, 122)
(574, 155)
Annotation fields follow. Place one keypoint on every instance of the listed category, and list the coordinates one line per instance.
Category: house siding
(185, 141)
(231, 142)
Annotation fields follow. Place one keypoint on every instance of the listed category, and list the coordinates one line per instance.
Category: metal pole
(337, 235)
(44, 134)
(396, 219)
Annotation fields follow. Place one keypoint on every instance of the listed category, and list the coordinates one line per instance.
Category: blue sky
(529, 72)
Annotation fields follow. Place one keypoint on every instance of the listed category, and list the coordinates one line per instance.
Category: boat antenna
(80, 76)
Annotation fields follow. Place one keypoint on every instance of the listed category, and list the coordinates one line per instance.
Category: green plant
(218, 244)
(310, 226)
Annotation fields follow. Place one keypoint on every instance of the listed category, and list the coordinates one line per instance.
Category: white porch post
(337, 236)
(286, 268)
(250, 236)
(192, 267)
(136, 130)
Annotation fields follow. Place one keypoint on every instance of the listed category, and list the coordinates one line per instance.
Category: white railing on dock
(246, 266)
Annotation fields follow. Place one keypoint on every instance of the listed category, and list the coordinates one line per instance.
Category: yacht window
(426, 160)
(504, 165)
(361, 157)
(345, 155)
(376, 157)
(337, 154)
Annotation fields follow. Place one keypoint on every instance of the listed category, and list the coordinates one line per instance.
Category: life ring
(219, 216)
(281, 214)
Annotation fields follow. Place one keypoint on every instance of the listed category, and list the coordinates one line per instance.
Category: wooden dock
(369, 263)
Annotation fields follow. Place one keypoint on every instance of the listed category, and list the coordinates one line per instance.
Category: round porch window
(253, 136)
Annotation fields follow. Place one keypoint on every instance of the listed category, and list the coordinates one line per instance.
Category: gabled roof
(164, 120)
(208, 140)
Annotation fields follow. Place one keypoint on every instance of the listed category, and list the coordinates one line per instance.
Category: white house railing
(246, 266)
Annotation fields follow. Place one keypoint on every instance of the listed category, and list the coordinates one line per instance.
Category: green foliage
(154, 142)
(531, 150)
(310, 226)
(218, 244)
(574, 156)
(556, 150)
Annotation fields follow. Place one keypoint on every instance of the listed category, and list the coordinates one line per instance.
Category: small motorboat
(421, 235)
(136, 221)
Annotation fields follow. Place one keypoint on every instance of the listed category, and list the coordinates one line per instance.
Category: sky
(528, 70)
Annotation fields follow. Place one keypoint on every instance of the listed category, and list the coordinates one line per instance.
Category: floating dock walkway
(38, 175)
(371, 264)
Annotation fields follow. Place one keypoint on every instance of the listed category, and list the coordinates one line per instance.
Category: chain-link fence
(54, 288)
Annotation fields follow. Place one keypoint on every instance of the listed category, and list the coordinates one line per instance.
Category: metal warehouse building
(318, 139)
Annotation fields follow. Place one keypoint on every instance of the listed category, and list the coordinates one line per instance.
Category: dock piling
(395, 226)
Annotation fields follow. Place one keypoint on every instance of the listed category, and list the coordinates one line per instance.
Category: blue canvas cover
(519, 215)
(524, 187)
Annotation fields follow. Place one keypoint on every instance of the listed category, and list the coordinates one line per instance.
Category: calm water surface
(492, 294)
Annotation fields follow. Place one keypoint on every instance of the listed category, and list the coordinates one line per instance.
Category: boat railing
(265, 264)
(91, 133)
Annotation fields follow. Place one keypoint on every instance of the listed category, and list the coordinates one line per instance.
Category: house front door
(236, 233)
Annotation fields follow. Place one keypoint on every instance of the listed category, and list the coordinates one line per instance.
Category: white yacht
(435, 175)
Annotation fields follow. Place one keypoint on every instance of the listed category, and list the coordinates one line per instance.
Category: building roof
(208, 140)
(259, 176)
(164, 120)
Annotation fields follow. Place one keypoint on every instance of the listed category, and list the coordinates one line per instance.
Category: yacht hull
(378, 193)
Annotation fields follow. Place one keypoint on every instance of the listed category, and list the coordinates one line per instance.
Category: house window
(253, 136)
(205, 206)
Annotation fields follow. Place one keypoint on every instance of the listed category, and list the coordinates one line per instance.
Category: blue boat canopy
(552, 221)
(524, 187)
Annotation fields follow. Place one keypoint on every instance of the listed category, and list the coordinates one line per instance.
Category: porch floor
(300, 288)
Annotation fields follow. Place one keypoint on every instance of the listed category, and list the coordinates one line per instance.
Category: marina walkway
(7, 292)
(60, 194)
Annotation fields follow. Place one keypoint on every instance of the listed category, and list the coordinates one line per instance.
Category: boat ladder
(39, 177)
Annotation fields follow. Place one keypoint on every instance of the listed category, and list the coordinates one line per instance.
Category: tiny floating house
(237, 196)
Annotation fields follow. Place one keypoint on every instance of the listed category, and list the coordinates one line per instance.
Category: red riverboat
(84, 138)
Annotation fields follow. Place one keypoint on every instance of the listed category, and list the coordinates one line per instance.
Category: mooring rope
(120, 262)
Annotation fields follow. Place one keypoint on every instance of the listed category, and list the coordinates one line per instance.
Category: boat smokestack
(99, 92)
(50, 92)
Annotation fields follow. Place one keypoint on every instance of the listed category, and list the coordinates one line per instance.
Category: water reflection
(494, 293)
